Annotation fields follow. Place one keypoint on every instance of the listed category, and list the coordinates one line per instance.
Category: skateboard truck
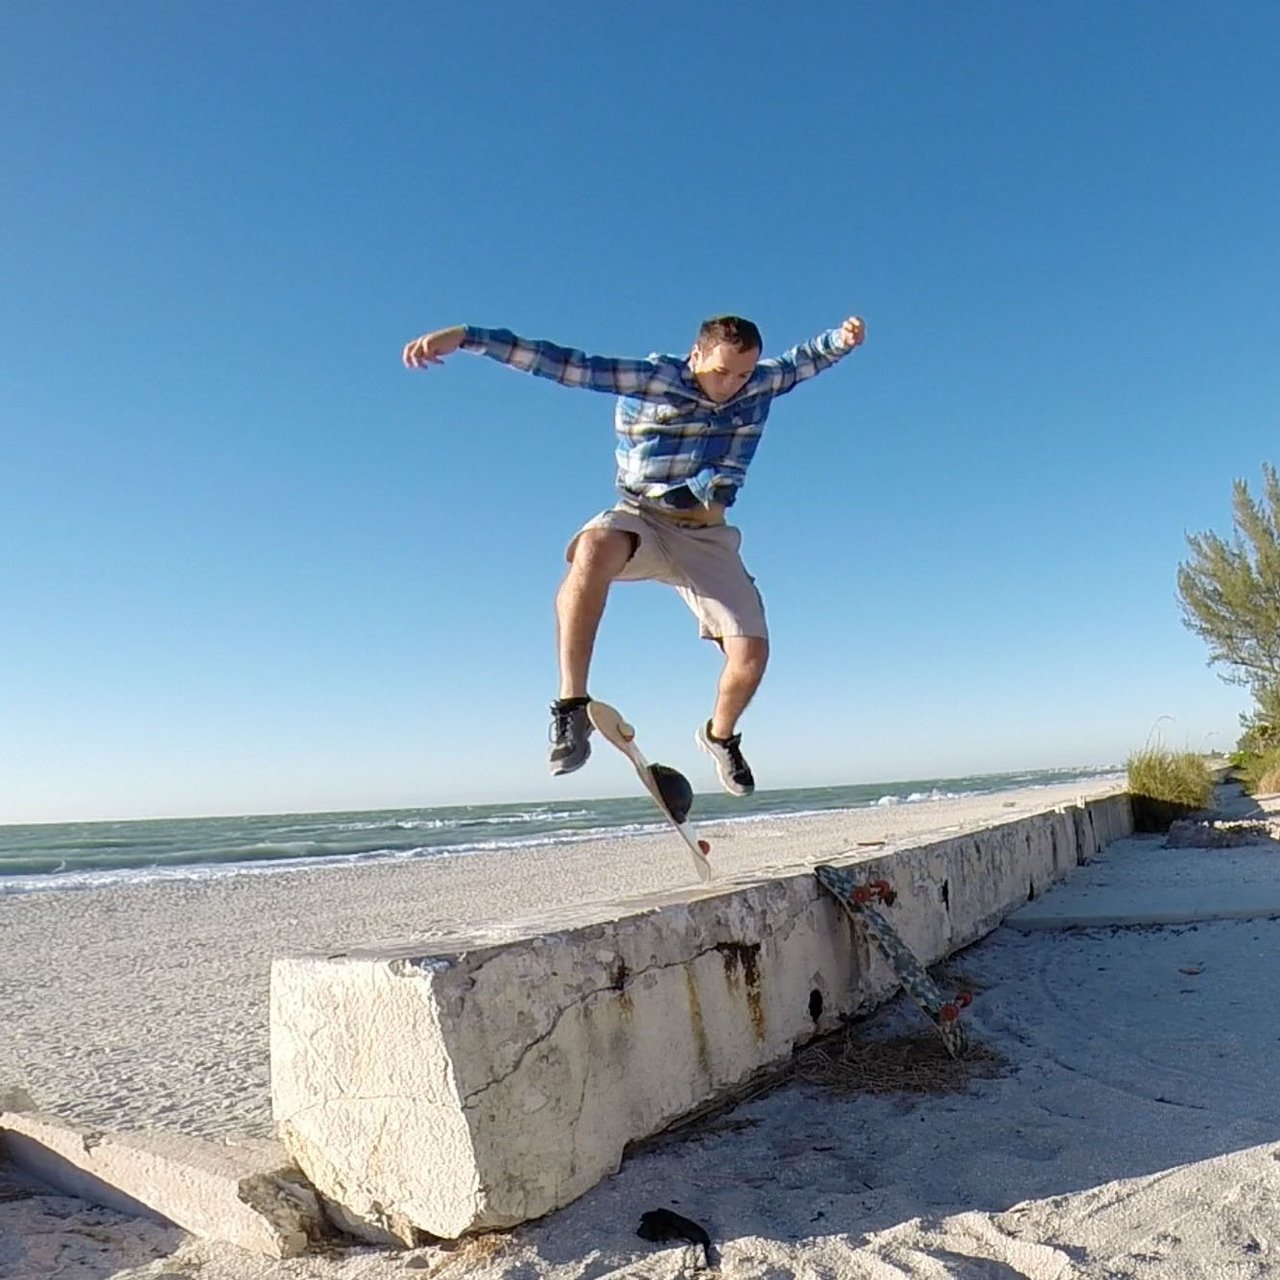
(951, 1010)
(876, 891)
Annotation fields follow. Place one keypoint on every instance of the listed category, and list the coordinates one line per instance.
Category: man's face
(722, 371)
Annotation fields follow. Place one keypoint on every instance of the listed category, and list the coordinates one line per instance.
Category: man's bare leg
(598, 558)
(745, 658)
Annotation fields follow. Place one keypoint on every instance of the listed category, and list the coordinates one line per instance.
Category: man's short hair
(732, 329)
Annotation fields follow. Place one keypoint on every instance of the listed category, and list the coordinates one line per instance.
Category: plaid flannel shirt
(671, 436)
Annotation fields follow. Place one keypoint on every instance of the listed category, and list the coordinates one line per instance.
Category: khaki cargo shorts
(701, 562)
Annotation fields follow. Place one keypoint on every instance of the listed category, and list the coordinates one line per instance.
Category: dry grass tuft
(916, 1063)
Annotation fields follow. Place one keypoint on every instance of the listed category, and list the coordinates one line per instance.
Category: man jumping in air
(687, 428)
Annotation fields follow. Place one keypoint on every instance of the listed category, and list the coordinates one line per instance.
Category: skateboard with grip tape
(861, 901)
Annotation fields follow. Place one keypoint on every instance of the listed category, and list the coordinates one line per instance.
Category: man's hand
(852, 332)
(432, 348)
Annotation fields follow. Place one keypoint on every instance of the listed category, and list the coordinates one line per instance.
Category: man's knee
(746, 654)
(601, 553)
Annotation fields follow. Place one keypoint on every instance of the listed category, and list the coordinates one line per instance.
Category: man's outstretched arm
(783, 372)
(543, 359)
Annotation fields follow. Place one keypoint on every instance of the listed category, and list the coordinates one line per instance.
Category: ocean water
(80, 855)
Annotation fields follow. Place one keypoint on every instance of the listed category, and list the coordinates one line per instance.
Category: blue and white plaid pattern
(670, 435)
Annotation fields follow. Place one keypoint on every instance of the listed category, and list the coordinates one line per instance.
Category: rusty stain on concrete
(745, 956)
(695, 1017)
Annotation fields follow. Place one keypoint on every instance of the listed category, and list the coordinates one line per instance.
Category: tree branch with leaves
(1230, 594)
(1230, 591)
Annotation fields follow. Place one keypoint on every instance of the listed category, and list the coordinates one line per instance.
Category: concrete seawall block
(250, 1194)
(452, 1087)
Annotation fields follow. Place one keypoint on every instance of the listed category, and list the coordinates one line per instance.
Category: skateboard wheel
(705, 846)
(625, 731)
(948, 1013)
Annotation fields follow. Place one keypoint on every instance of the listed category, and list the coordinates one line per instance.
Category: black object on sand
(666, 1224)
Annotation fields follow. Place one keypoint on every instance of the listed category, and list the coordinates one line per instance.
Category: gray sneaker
(731, 765)
(570, 730)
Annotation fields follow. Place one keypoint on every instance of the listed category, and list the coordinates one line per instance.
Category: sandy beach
(1126, 1125)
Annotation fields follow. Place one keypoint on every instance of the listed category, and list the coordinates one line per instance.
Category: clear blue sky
(249, 563)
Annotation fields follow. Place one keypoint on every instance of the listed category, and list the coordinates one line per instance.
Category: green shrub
(1261, 724)
(1167, 785)
(1260, 771)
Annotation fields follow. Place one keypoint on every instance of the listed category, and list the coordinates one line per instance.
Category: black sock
(568, 704)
